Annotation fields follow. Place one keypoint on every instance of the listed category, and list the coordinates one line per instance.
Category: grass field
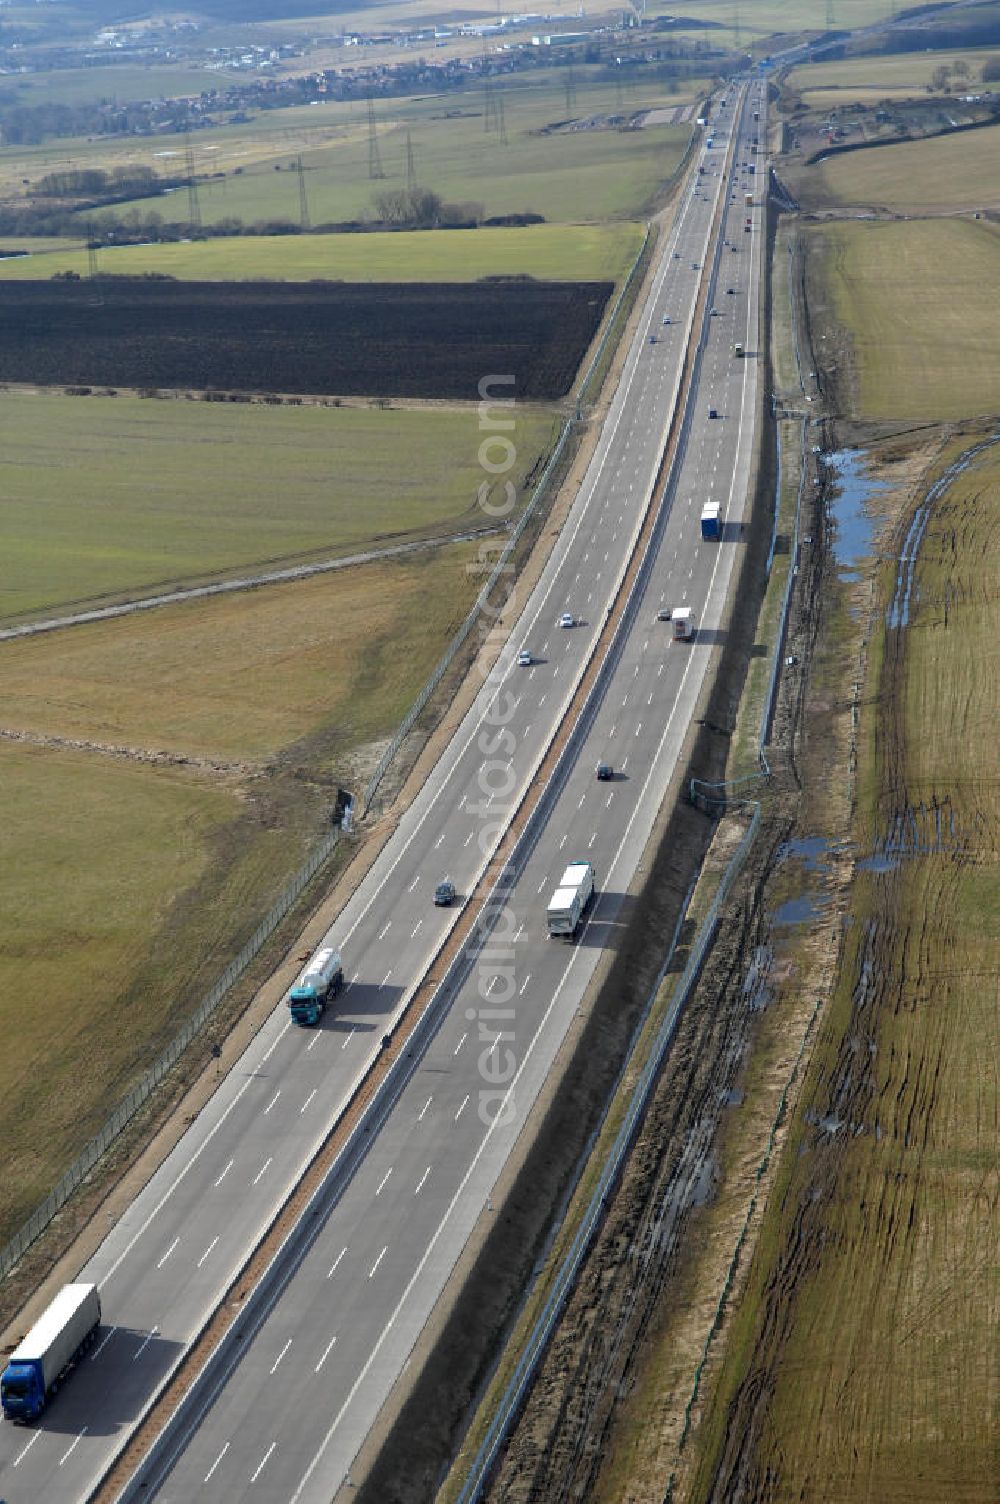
(920, 303)
(106, 497)
(580, 175)
(862, 1363)
(945, 174)
(557, 252)
(102, 948)
(123, 83)
(80, 900)
(567, 176)
(241, 676)
(894, 76)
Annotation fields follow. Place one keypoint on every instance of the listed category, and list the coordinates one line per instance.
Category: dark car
(605, 772)
(713, 412)
(444, 894)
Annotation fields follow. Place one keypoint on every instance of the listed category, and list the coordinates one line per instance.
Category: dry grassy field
(920, 306)
(945, 174)
(866, 80)
(862, 1363)
(241, 676)
(125, 887)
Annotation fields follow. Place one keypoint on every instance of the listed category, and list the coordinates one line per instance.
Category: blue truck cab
(319, 983)
(41, 1361)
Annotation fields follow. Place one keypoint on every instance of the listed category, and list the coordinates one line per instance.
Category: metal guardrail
(140, 1093)
(40, 1218)
(527, 1366)
(503, 559)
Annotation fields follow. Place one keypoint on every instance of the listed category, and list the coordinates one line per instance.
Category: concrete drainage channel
(205, 1385)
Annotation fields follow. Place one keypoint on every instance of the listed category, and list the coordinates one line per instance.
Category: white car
(524, 659)
(567, 619)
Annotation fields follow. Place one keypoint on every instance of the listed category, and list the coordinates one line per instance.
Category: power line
(374, 155)
(194, 208)
(303, 201)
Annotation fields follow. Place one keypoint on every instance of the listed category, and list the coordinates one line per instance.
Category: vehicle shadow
(607, 920)
(360, 1002)
(111, 1385)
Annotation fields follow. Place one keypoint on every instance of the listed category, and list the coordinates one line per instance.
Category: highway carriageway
(382, 1256)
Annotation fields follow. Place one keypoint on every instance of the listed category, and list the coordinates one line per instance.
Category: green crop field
(920, 302)
(940, 175)
(109, 497)
(548, 252)
(894, 76)
(861, 1364)
(102, 949)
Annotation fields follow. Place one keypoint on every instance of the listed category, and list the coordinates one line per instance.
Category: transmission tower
(303, 201)
(831, 19)
(411, 166)
(194, 208)
(501, 123)
(92, 259)
(737, 31)
(570, 87)
(619, 93)
(374, 155)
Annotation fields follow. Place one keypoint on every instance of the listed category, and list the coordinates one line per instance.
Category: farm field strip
(940, 174)
(871, 277)
(574, 253)
(134, 496)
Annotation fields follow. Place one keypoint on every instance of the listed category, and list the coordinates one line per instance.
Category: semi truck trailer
(710, 525)
(38, 1364)
(318, 985)
(682, 622)
(568, 902)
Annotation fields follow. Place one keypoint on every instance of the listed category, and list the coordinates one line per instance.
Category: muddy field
(394, 340)
(864, 1367)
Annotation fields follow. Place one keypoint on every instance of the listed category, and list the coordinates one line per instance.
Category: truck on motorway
(568, 902)
(682, 622)
(50, 1349)
(738, 350)
(748, 200)
(319, 983)
(710, 525)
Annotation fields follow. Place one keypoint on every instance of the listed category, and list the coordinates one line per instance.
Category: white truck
(56, 1340)
(568, 902)
(682, 622)
(318, 985)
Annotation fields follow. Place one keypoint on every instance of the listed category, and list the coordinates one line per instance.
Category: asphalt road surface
(290, 1420)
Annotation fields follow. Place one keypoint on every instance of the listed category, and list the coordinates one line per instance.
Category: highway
(294, 1412)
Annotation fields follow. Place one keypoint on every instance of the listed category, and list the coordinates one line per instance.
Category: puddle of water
(800, 910)
(854, 526)
(808, 852)
(878, 863)
(704, 1185)
(755, 989)
(733, 1097)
